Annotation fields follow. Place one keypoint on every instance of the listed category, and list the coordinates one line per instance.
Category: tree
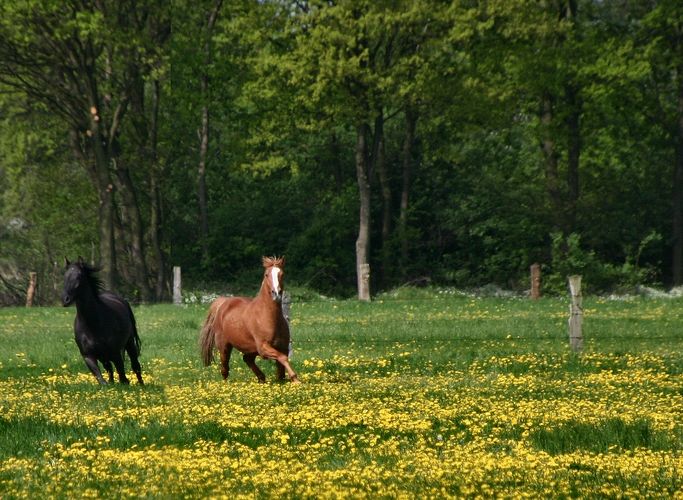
(545, 57)
(662, 38)
(351, 63)
(207, 33)
(84, 61)
(43, 200)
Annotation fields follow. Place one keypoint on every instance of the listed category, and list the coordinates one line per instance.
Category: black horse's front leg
(120, 369)
(110, 370)
(91, 362)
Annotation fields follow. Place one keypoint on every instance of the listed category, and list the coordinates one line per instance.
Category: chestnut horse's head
(273, 276)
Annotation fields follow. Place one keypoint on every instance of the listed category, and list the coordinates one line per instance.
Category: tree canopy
(447, 142)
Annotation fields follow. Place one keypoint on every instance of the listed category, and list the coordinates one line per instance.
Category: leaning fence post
(286, 302)
(575, 314)
(535, 281)
(177, 286)
(31, 292)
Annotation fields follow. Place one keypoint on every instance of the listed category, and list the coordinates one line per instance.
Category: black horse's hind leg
(225, 361)
(280, 370)
(110, 370)
(118, 363)
(133, 354)
(249, 360)
(91, 362)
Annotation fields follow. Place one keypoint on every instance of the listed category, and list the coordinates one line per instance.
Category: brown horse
(255, 327)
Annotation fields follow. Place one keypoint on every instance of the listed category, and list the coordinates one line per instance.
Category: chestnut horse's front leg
(267, 351)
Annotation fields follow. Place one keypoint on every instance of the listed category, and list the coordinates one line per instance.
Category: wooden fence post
(364, 283)
(177, 286)
(535, 281)
(31, 292)
(575, 314)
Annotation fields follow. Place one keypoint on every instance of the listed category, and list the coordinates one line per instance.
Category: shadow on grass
(608, 435)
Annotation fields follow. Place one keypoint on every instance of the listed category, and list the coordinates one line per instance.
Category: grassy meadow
(415, 395)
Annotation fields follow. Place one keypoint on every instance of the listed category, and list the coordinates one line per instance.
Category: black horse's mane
(91, 275)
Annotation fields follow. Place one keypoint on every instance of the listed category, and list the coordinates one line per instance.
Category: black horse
(104, 325)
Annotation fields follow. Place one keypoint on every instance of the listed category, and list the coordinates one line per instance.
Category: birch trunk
(363, 240)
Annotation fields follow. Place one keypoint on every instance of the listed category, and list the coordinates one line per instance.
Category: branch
(213, 16)
(302, 6)
(118, 116)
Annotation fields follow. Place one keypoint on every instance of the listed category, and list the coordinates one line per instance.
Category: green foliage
(288, 82)
(569, 258)
(45, 205)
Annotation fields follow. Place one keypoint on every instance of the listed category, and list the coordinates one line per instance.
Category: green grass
(425, 395)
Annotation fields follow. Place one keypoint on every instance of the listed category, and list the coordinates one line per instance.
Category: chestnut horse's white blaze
(275, 275)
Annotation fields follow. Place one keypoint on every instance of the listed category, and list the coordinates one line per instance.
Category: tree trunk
(105, 189)
(408, 141)
(100, 144)
(155, 236)
(573, 155)
(129, 205)
(363, 240)
(380, 163)
(95, 162)
(201, 177)
(568, 12)
(204, 135)
(107, 253)
(155, 219)
(552, 177)
(677, 198)
(335, 160)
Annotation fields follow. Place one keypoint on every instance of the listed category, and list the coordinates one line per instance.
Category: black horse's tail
(136, 337)
(207, 338)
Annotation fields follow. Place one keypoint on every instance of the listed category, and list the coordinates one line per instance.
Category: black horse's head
(78, 277)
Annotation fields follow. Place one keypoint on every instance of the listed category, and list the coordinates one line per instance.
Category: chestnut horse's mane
(273, 262)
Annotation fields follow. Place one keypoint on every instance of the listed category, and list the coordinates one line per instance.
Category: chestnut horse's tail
(207, 338)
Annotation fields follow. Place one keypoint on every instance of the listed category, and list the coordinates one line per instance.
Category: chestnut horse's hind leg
(280, 370)
(225, 361)
(249, 359)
